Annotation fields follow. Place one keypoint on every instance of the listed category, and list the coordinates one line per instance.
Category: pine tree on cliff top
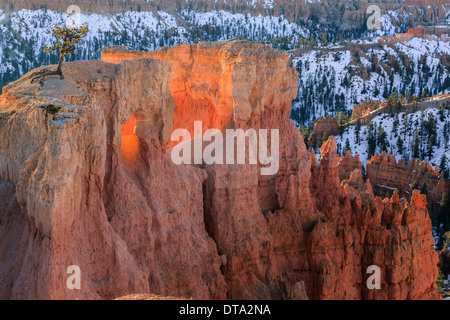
(67, 39)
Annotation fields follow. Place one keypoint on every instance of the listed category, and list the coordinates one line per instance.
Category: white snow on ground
(246, 24)
(387, 20)
(29, 30)
(322, 74)
(35, 24)
(407, 135)
(366, 40)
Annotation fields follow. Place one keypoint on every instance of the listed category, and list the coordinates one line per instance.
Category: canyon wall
(386, 175)
(365, 111)
(357, 230)
(340, 14)
(348, 164)
(76, 189)
(327, 127)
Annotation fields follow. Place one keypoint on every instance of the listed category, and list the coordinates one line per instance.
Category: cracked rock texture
(383, 170)
(94, 186)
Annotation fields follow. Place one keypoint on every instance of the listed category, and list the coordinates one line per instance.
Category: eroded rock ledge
(76, 189)
(386, 173)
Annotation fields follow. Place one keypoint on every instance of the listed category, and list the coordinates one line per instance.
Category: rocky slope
(403, 148)
(335, 79)
(348, 164)
(384, 171)
(150, 25)
(347, 14)
(76, 189)
(322, 129)
(414, 131)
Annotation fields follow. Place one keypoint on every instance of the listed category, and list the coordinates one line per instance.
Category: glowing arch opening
(130, 142)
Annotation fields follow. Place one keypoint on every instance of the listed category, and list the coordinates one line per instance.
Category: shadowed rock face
(386, 173)
(329, 127)
(95, 186)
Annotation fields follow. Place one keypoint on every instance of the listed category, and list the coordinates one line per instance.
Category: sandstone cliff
(386, 174)
(76, 189)
(327, 127)
(348, 164)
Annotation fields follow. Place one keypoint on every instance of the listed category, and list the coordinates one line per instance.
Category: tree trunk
(59, 70)
(40, 75)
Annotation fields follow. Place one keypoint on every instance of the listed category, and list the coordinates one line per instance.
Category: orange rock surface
(328, 126)
(347, 165)
(364, 110)
(79, 190)
(386, 174)
(358, 230)
(214, 85)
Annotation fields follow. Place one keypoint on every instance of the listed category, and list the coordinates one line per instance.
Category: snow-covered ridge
(331, 79)
(402, 127)
(24, 33)
(334, 80)
(254, 27)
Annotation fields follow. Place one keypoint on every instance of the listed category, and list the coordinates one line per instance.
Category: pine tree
(395, 126)
(409, 96)
(371, 140)
(443, 216)
(68, 38)
(385, 92)
(445, 133)
(342, 118)
(324, 39)
(376, 92)
(430, 147)
(347, 147)
(306, 133)
(382, 138)
(400, 145)
(357, 131)
(393, 103)
(443, 166)
(441, 112)
(430, 129)
(440, 283)
(416, 146)
(424, 189)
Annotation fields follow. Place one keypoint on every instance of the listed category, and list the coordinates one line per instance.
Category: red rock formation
(222, 91)
(364, 110)
(347, 165)
(418, 32)
(387, 175)
(82, 200)
(79, 190)
(357, 231)
(324, 126)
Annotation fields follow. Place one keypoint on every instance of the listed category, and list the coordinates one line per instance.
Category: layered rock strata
(386, 175)
(348, 164)
(322, 129)
(340, 14)
(95, 186)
